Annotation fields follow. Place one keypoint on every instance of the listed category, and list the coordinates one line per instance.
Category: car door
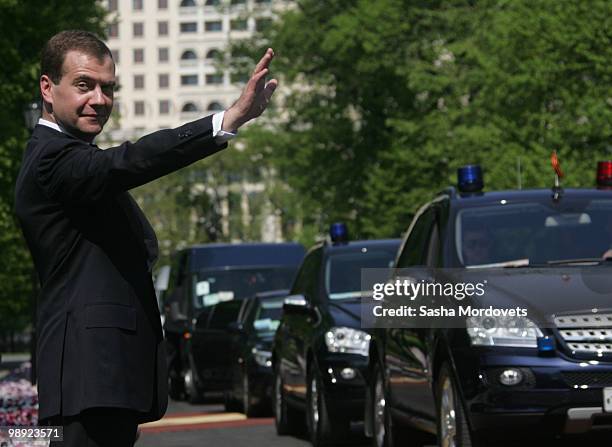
(406, 352)
(296, 324)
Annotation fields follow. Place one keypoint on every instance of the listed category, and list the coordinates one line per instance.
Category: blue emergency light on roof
(469, 178)
(338, 232)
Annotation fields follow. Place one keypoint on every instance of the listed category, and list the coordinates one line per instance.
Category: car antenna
(557, 189)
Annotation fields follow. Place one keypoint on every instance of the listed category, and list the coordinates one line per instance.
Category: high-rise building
(166, 53)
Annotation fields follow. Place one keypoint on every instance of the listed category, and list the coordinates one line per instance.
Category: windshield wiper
(507, 264)
(592, 261)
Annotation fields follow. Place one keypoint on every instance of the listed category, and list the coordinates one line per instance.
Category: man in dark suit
(102, 369)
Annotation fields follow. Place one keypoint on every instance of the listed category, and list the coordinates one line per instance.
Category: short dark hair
(56, 48)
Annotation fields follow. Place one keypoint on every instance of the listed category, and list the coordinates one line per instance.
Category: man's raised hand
(254, 98)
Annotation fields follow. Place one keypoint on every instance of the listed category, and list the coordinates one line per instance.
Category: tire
(193, 394)
(286, 419)
(382, 427)
(323, 428)
(248, 408)
(453, 429)
(175, 387)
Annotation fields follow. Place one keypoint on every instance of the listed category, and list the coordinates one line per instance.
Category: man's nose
(97, 96)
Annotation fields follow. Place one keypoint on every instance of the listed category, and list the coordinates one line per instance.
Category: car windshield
(213, 286)
(267, 316)
(524, 234)
(343, 270)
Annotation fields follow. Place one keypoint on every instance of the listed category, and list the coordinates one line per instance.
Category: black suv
(320, 353)
(202, 276)
(499, 377)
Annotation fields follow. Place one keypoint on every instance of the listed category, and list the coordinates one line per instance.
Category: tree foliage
(26, 25)
(386, 98)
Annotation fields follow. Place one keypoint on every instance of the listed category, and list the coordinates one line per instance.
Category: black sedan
(251, 363)
(320, 354)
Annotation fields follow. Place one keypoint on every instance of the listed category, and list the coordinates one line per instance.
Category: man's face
(83, 100)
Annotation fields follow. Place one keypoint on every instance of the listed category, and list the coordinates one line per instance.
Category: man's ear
(45, 90)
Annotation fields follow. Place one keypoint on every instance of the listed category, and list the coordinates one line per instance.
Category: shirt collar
(55, 126)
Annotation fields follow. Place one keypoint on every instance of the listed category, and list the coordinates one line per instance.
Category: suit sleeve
(70, 170)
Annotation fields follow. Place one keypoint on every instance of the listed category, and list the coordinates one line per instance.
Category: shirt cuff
(219, 135)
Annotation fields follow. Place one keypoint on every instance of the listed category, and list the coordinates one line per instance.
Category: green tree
(26, 25)
(388, 97)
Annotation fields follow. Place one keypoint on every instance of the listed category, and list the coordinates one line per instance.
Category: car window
(223, 314)
(343, 270)
(414, 250)
(535, 233)
(307, 278)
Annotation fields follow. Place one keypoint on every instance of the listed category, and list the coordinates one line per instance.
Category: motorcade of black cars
(251, 354)
(320, 352)
(202, 276)
(499, 378)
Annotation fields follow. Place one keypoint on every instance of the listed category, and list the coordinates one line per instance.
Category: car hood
(545, 291)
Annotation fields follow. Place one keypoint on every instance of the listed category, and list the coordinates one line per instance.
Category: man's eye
(82, 85)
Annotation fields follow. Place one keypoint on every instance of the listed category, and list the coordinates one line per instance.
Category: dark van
(200, 277)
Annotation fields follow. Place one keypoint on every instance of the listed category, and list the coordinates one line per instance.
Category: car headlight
(262, 358)
(347, 340)
(503, 331)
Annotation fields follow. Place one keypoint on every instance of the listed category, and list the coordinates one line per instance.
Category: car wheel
(191, 388)
(247, 406)
(175, 386)
(382, 429)
(286, 419)
(322, 428)
(453, 430)
(232, 405)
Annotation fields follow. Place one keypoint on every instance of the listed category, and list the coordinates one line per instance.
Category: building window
(215, 107)
(187, 3)
(137, 5)
(238, 25)
(139, 82)
(238, 2)
(214, 79)
(162, 28)
(139, 108)
(112, 5)
(138, 56)
(164, 107)
(162, 4)
(213, 54)
(138, 29)
(113, 30)
(213, 25)
(115, 54)
(263, 1)
(262, 24)
(164, 80)
(189, 80)
(189, 107)
(189, 27)
(213, 2)
(188, 55)
(162, 55)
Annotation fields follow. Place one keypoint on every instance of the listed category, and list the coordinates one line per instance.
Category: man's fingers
(269, 89)
(264, 62)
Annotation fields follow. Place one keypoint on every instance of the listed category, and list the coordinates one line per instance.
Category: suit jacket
(100, 342)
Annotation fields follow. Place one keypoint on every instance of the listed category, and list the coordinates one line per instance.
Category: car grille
(586, 334)
(590, 379)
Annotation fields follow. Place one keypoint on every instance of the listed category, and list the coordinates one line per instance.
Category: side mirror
(296, 304)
